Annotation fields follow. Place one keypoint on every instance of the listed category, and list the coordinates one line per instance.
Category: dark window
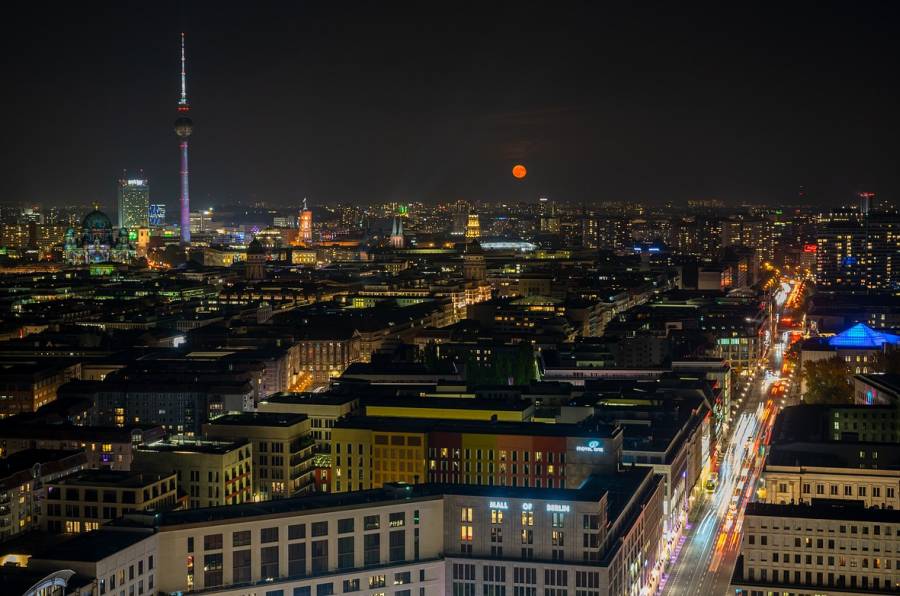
(240, 562)
(212, 542)
(297, 532)
(297, 559)
(372, 522)
(397, 546)
(325, 589)
(268, 535)
(319, 556)
(320, 528)
(372, 549)
(241, 538)
(268, 562)
(345, 552)
(345, 526)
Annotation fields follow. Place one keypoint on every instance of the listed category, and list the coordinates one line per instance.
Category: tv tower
(184, 126)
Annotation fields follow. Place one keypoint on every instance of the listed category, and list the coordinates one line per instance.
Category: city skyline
(626, 105)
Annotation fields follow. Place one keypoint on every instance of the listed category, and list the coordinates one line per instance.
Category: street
(704, 559)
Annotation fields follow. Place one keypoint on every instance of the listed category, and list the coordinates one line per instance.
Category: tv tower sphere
(184, 126)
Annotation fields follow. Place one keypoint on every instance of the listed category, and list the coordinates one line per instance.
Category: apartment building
(828, 548)
(211, 473)
(282, 449)
(322, 409)
(83, 501)
(106, 447)
(27, 384)
(23, 479)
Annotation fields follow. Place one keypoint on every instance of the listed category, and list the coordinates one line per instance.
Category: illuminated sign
(136, 182)
(499, 505)
(527, 506)
(811, 248)
(591, 447)
(557, 508)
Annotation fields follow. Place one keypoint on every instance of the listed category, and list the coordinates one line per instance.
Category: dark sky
(380, 101)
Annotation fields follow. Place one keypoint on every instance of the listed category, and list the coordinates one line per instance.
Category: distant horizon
(358, 103)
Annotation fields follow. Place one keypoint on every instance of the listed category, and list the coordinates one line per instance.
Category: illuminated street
(705, 559)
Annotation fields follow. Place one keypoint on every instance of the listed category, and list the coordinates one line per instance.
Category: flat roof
(825, 509)
(194, 446)
(94, 546)
(453, 403)
(314, 399)
(399, 424)
(111, 478)
(259, 419)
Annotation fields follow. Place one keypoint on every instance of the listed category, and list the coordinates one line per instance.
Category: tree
(891, 361)
(827, 382)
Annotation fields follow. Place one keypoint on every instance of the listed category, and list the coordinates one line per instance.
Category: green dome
(96, 220)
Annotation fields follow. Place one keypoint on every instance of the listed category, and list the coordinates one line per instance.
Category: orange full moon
(519, 171)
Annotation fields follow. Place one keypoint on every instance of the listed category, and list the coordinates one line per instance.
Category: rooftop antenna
(183, 102)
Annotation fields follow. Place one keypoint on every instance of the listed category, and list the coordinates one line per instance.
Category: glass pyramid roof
(862, 337)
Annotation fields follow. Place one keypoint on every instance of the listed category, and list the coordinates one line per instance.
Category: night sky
(345, 101)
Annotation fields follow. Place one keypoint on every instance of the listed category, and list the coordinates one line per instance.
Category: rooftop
(388, 424)
(94, 546)
(259, 419)
(186, 445)
(452, 403)
(591, 492)
(863, 337)
(313, 399)
(111, 478)
(825, 509)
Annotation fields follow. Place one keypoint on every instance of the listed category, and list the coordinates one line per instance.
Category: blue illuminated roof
(862, 336)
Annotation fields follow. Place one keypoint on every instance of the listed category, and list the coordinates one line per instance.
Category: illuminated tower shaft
(184, 126)
(185, 194)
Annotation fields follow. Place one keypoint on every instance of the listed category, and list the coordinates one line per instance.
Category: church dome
(96, 220)
(255, 248)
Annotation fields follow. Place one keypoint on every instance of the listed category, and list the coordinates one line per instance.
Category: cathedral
(98, 242)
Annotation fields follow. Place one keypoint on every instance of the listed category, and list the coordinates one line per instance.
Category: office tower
(859, 253)
(184, 126)
(473, 226)
(133, 202)
(613, 233)
(157, 214)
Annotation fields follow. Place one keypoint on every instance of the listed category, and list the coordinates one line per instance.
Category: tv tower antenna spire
(183, 102)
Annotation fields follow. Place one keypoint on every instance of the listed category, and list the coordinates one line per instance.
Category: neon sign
(527, 506)
(557, 508)
(499, 505)
(592, 446)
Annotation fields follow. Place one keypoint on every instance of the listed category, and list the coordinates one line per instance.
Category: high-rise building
(861, 253)
(157, 214)
(184, 127)
(473, 226)
(133, 204)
